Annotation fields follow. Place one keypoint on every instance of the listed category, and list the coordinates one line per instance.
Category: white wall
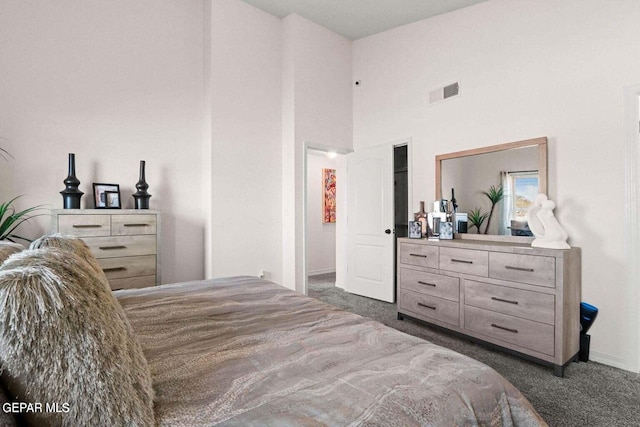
(115, 82)
(527, 69)
(317, 110)
(321, 237)
(246, 118)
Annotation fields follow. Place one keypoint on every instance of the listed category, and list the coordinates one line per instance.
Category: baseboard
(607, 359)
(321, 271)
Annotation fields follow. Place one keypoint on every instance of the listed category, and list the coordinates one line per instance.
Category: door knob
(388, 231)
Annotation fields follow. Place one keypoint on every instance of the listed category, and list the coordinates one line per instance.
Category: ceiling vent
(446, 92)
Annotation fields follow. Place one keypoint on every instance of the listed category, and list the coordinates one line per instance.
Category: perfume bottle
(421, 216)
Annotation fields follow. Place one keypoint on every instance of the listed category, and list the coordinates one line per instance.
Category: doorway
(400, 201)
(324, 240)
(400, 182)
(401, 190)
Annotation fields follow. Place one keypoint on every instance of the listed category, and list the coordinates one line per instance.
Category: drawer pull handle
(504, 300)
(426, 306)
(86, 226)
(464, 261)
(107, 248)
(515, 331)
(418, 255)
(137, 225)
(510, 267)
(426, 283)
(114, 269)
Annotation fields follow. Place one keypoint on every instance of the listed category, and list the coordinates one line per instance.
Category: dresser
(125, 242)
(523, 299)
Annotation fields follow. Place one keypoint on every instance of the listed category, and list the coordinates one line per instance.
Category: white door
(370, 236)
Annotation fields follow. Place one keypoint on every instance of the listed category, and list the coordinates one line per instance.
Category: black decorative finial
(142, 196)
(71, 194)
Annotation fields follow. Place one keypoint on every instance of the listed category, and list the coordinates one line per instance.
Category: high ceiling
(355, 19)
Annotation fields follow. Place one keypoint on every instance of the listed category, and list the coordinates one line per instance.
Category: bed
(238, 351)
(243, 351)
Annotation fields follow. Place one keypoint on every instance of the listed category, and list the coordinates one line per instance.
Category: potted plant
(10, 218)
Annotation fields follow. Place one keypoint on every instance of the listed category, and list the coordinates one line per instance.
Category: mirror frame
(541, 142)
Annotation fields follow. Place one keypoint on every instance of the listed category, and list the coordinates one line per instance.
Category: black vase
(71, 195)
(141, 196)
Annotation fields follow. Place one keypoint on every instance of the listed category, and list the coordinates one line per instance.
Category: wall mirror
(517, 169)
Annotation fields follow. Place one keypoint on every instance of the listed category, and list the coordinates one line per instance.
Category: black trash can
(588, 314)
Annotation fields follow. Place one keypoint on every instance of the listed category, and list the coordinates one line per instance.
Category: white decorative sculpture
(545, 227)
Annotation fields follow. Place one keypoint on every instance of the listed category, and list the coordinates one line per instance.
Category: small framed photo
(415, 230)
(113, 199)
(106, 196)
(446, 230)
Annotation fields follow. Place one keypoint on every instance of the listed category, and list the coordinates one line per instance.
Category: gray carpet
(590, 394)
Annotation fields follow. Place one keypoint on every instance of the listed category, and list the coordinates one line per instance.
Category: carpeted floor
(590, 394)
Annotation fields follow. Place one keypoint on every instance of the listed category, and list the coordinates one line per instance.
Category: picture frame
(415, 230)
(446, 230)
(112, 199)
(106, 196)
(328, 196)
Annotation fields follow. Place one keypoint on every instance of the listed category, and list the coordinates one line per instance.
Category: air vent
(451, 90)
(446, 92)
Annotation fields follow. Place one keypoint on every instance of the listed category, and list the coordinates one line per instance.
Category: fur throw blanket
(66, 344)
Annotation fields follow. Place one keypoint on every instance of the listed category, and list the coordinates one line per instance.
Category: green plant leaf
(4, 153)
(10, 219)
(495, 194)
(476, 218)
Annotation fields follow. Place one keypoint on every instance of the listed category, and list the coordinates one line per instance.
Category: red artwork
(328, 195)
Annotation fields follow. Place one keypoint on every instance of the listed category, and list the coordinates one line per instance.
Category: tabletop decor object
(71, 194)
(141, 196)
(545, 227)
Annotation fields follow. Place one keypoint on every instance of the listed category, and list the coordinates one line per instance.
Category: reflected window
(520, 192)
(525, 191)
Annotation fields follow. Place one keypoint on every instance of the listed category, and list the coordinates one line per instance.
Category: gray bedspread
(246, 352)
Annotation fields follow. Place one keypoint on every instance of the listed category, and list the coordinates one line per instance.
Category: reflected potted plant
(495, 195)
(476, 218)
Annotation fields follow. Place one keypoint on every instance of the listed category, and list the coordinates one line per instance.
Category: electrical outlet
(262, 274)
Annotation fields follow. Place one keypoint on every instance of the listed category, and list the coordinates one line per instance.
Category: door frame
(309, 145)
(632, 209)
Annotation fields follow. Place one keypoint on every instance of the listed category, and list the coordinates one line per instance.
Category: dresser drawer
(127, 225)
(132, 282)
(432, 284)
(510, 329)
(126, 242)
(429, 307)
(532, 269)
(530, 305)
(121, 267)
(466, 261)
(84, 225)
(419, 255)
(121, 246)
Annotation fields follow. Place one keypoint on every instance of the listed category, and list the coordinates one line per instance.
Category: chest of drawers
(125, 242)
(520, 298)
